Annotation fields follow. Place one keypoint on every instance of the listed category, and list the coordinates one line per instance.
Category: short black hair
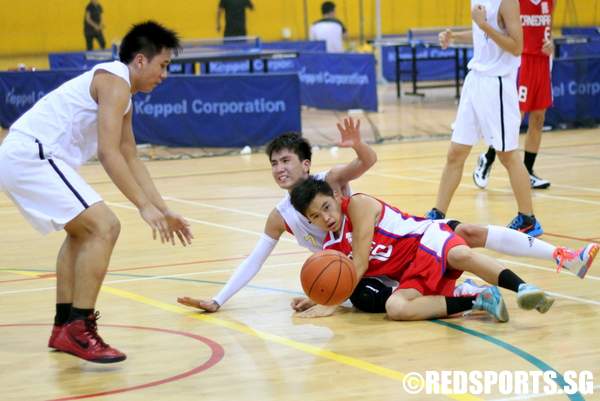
(305, 192)
(292, 141)
(148, 38)
(327, 7)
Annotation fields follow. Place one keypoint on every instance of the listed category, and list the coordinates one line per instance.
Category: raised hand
(445, 38)
(202, 304)
(479, 14)
(350, 132)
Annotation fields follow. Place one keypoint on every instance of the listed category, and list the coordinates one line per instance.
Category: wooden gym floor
(254, 348)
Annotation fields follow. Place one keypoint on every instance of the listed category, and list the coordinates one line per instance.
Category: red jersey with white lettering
(410, 249)
(536, 19)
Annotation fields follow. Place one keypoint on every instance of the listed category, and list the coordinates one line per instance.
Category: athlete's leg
(452, 174)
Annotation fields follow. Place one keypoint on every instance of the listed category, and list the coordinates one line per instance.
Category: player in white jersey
(290, 156)
(89, 114)
(489, 106)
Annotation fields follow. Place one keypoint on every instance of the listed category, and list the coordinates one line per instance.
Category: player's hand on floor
(205, 305)
(317, 311)
(180, 226)
(350, 132)
(300, 304)
(158, 222)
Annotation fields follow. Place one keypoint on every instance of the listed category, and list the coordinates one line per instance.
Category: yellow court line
(309, 349)
(23, 273)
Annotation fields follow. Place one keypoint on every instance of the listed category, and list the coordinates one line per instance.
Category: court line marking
(207, 223)
(499, 190)
(216, 355)
(286, 342)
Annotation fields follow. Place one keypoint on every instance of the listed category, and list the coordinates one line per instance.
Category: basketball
(328, 277)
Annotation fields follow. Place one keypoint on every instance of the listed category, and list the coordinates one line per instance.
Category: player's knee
(370, 295)
(106, 228)
(474, 235)
(460, 256)
(398, 309)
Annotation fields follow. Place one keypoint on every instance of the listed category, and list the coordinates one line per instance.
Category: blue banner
(576, 92)
(219, 111)
(19, 90)
(581, 30)
(338, 81)
(80, 60)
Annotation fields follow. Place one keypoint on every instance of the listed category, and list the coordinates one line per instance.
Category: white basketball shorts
(47, 191)
(488, 109)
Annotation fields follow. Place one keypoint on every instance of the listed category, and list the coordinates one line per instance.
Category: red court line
(193, 262)
(571, 237)
(217, 353)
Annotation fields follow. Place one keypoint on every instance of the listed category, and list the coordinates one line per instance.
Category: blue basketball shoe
(527, 225)
(490, 300)
(435, 214)
(531, 297)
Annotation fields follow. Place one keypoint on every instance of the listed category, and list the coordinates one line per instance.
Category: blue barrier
(298, 45)
(576, 92)
(428, 70)
(581, 30)
(219, 111)
(19, 90)
(338, 81)
(231, 111)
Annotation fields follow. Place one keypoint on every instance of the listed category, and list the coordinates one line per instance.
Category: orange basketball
(328, 277)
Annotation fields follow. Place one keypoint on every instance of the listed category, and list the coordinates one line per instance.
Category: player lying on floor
(424, 256)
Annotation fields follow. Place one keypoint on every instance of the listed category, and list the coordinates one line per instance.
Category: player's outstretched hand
(300, 304)
(350, 132)
(445, 38)
(180, 226)
(202, 304)
(158, 222)
(316, 311)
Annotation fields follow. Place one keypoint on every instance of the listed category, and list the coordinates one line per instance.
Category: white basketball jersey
(489, 58)
(65, 121)
(307, 235)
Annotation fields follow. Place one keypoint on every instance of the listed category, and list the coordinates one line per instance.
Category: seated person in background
(329, 28)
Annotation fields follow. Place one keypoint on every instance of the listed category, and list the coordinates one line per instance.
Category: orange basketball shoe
(577, 262)
(81, 338)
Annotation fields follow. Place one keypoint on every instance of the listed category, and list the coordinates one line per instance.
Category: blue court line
(538, 363)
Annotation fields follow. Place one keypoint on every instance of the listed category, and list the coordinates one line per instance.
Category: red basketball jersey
(395, 241)
(536, 19)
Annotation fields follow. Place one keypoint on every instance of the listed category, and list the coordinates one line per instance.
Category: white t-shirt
(489, 58)
(331, 30)
(307, 235)
(65, 121)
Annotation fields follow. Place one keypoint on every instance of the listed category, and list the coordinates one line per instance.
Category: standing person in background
(235, 16)
(489, 106)
(535, 88)
(329, 28)
(93, 26)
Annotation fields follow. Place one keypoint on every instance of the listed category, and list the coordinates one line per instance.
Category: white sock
(515, 243)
